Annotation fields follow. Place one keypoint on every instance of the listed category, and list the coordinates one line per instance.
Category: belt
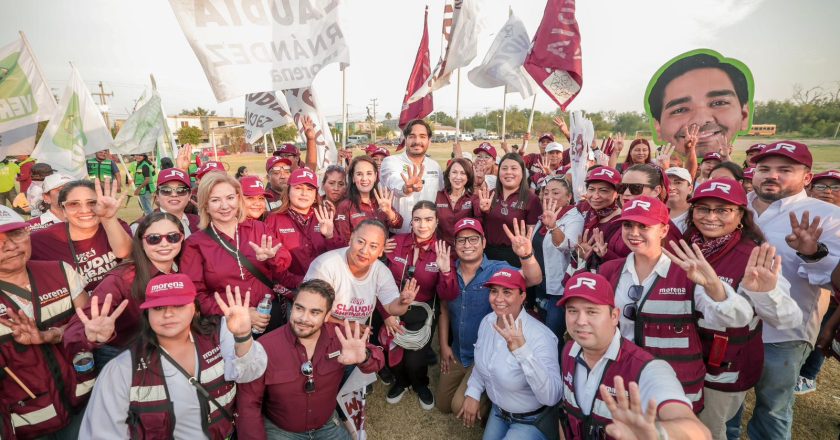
(510, 415)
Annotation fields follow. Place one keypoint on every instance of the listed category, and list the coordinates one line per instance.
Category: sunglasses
(635, 293)
(169, 191)
(635, 188)
(308, 370)
(155, 239)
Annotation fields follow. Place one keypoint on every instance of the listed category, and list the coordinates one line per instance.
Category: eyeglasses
(170, 191)
(76, 205)
(635, 294)
(15, 236)
(704, 211)
(472, 239)
(308, 370)
(155, 239)
(635, 188)
(824, 187)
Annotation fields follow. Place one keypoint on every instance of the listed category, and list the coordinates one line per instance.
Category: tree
(198, 111)
(189, 135)
(287, 133)
(442, 118)
(388, 116)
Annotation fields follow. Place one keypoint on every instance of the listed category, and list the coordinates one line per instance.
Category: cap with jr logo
(795, 151)
(590, 287)
(645, 210)
(726, 190)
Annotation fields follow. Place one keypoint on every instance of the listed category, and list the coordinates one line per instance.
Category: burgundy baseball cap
(727, 190)
(486, 147)
(591, 287)
(380, 151)
(749, 173)
(756, 148)
(469, 223)
(370, 149)
(830, 174)
(604, 174)
(548, 136)
(712, 156)
(10, 220)
(173, 175)
(510, 278)
(274, 160)
(795, 151)
(287, 149)
(645, 210)
(175, 289)
(303, 176)
(206, 167)
(252, 186)
(395, 352)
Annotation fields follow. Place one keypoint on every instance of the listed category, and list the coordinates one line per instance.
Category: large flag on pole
(75, 129)
(555, 60)
(25, 97)
(246, 45)
(18, 141)
(302, 102)
(461, 47)
(263, 112)
(422, 69)
(142, 129)
(502, 66)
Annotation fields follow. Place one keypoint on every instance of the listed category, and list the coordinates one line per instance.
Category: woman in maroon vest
(173, 196)
(364, 201)
(639, 153)
(600, 213)
(154, 390)
(457, 200)
(334, 185)
(729, 239)
(659, 293)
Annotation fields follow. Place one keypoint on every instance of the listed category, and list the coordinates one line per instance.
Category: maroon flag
(419, 73)
(555, 60)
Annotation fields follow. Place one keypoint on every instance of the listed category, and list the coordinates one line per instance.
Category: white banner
(140, 132)
(18, 141)
(247, 45)
(75, 130)
(503, 63)
(263, 112)
(583, 133)
(351, 400)
(302, 102)
(25, 97)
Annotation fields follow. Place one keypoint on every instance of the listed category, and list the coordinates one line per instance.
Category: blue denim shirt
(467, 310)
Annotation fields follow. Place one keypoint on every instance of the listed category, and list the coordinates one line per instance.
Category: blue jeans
(499, 428)
(332, 430)
(733, 426)
(773, 413)
(815, 360)
(555, 316)
(145, 202)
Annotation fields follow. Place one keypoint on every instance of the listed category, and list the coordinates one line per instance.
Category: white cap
(10, 220)
(554, 146)
(682, 173)
(467, 155)
(56, 180)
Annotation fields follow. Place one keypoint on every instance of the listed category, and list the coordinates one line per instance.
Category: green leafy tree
(441, 118)
(388, 115)
(286, 133)
(189, 135)
(198, 111)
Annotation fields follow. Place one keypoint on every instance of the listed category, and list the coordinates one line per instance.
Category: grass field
(816, 415)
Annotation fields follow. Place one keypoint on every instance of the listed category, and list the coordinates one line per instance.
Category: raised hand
(265, 250)
(485, 199)
(443, 253)
(385, 201)
(414, 179)
(308, 127)
(511, 332)
(692, 135)
(24, 329)
(390, 245)
(182, 160)
(99, 328)
(409, 292)
(618, 145)
(804, 234)
(663, 159)
(107, 204)
(690, 258)
(599, 245)
(353, 344)
(561, 124)
(763, 268)
(235, 310)
(545, 165)
(520, 238)
(325, 217)
(550, 212)
(586, 243)
(629, 421)
(608, 145)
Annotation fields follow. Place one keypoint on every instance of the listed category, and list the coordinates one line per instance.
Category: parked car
(466, 137)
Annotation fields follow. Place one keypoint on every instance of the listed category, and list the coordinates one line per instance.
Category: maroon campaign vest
(150, 412)
(666, 327)
(742, 362)
(44, 369)
(305, 243)
(629, 363)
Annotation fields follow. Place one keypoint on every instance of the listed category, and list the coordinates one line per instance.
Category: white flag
(461, 48)
(76, 129)
(141, 130)
(25, 97)
(583, 133)
(351, 400)
(18, 141)
(263, 112)
(502, 66)
(302, 102)
(246, 45)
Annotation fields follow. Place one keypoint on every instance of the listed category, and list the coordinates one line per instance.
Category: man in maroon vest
(599, 359)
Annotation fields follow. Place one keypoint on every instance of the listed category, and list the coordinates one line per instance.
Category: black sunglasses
(169, 191)
(635, 188)
(308, 370)
(635, 294)
(172, 237)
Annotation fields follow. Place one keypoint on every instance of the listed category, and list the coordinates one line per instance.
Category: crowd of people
(645, 306)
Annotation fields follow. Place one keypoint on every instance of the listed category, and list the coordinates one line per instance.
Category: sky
(121, 42)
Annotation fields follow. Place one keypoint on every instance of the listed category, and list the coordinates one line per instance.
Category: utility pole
(373, 136)
(486, 109)
(102, 95)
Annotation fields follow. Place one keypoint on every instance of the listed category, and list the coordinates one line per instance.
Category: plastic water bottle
(263, 308)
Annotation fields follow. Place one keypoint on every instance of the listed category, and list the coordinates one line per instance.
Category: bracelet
(527, 256)
(242, 339)
(550, 230)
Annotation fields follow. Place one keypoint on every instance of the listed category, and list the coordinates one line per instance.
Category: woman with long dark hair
(638, 153)
(457, 199)
(334, 185)
(364, 201)
(178, 379)
(511, 202)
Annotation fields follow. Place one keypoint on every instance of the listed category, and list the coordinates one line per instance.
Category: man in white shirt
(679, 191)
(52, 186)
(783, 211)
(412, 176)
(598, 358)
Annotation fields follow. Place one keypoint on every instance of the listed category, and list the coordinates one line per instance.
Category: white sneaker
(804, 386)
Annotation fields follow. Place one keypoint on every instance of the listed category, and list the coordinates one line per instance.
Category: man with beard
(791, 221)
(412, 176)
(705, 91)
(288, 401)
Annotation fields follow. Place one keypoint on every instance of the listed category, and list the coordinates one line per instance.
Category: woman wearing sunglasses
(232, 251)
(178, 380)
(659, 294)
(457, 199)
(155, 250)
(93, 238)
(173, 196)
(730, 241)
(364, 201)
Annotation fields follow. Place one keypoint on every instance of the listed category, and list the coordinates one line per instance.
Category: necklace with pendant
(232, 251)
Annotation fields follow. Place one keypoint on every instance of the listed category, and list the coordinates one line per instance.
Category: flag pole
(344, 108)
(37, 64)
(530, 121)
(458, 109)
(504, 114)
(265, 144)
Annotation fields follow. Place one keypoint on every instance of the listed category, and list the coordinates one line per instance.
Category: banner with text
(303, 102)
(25, 97)
(263, 112)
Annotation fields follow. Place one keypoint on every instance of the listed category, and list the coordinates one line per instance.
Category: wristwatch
(822, 252)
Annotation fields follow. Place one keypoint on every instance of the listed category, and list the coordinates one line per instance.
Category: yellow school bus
(763, 130)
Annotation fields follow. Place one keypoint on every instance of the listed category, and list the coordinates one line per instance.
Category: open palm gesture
(690, 258)
(182, 160)
(520, 238)
(485, 199)
(409, 292)
(385, 200)
(551, 210)
(107, 203)
(763, 268)
(99, 327)
(414, 179)
(443, 253)
(265, 250)
(325, 217)
(511, 332)
(235, 310)
(24, 330)
(308, 127)
(353, 343)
